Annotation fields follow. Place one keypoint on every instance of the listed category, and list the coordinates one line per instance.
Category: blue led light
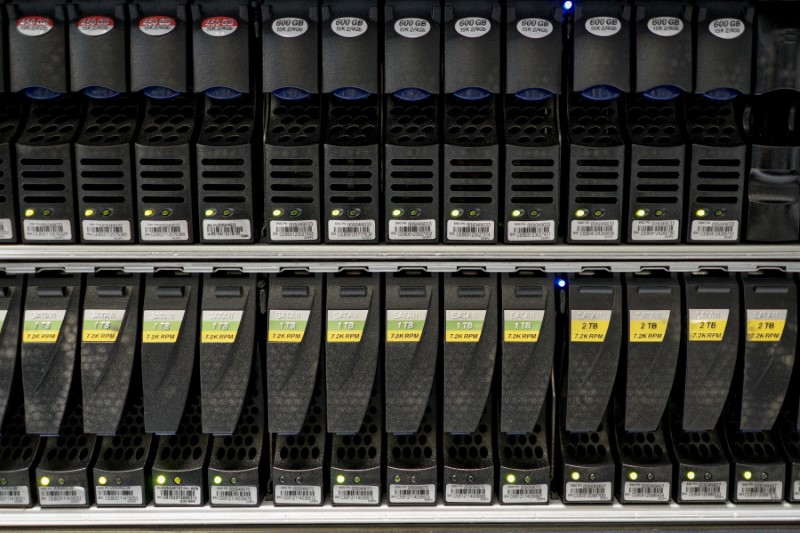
(601, 93)
(291, 93)
(722, 94)
(412, 94)
(662, 93)
(40, 93)
(567, 5)
(222, 93)
(351, 93)
(160, 93)
(100, 93)
(561, 283)
(472, 93)
(533, 95)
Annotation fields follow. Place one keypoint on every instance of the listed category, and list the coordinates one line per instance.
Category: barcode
(125, 495)
(234, 495)
(6, 229)
(710, 230)
(94, 230)
(298, 495)
(351, 230)
(704, 490)
(56, 230)
(588, 492)
(412, 493)
(62, 496)
(302, 230)
(355, 495)
(543, 230)
(15, 496)
(649, 492)
(477, 230)
(154, 230)
(594, 230)
(400, 230)
(759, 490)
(177, 495)
(226, 229)
(468, 493)
(525, 493)
(658, 230)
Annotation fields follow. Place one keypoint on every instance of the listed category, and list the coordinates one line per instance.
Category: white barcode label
(234, 495)
(298, 494)
(412, 230)
(62, 496)
(158, 230)
(470, 230)
(594, 230)
(6, 229)
(531, 230)
(759, 491)
(47, 230)
(293, 230)
(715, 230)
(412, 493)
(704, 491)
(454, 493)
(588, 492)
(119, 495)
(525, 493)
(351, 230)
(796, 490)
(188, 495)
(226, 230)
(106, 230)
(655, 230)
(20, 495)
(646, 492)
(356, 495)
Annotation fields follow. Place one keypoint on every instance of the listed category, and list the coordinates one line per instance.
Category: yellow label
(220, 327)
(102, 325)
(707, 325)
(765, 325)
(522, 325)
(589, 325)
(648, 326)
(287, 325)
(464, 325)
(42, 326)
(405, 325)
(346, 325)
(162, 326)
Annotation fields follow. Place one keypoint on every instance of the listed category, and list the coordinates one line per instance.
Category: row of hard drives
(410, 388)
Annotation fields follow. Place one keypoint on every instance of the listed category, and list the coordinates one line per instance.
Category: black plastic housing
(653, 345)
(602, 45)
(472, 30)
(412, 305)
(524, 463)
(64, 472)
(412, 45)
(19, 453)
(470, 348)
(11, 116)
(37, 35)
(770, 341)
(221, 34)
(758, 468)
(724, 45)
(228, 322)
(181, 460)
(169, 348)
(534, 34)
(664, 45)
(352, 348)
(293, 349)
(711, 322)
(236, 476)
(528, 348)
(109, 345)
(159, 44)
(49, 350)
(227, 191)
(289, 38)
(121, 474)
(593, 352)
(12, 289)
(412, 461)
(469, 477)
(104, 170)
(587, 472)
(98, 50)
(777, 47)
(45, 171)
(644, 467)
